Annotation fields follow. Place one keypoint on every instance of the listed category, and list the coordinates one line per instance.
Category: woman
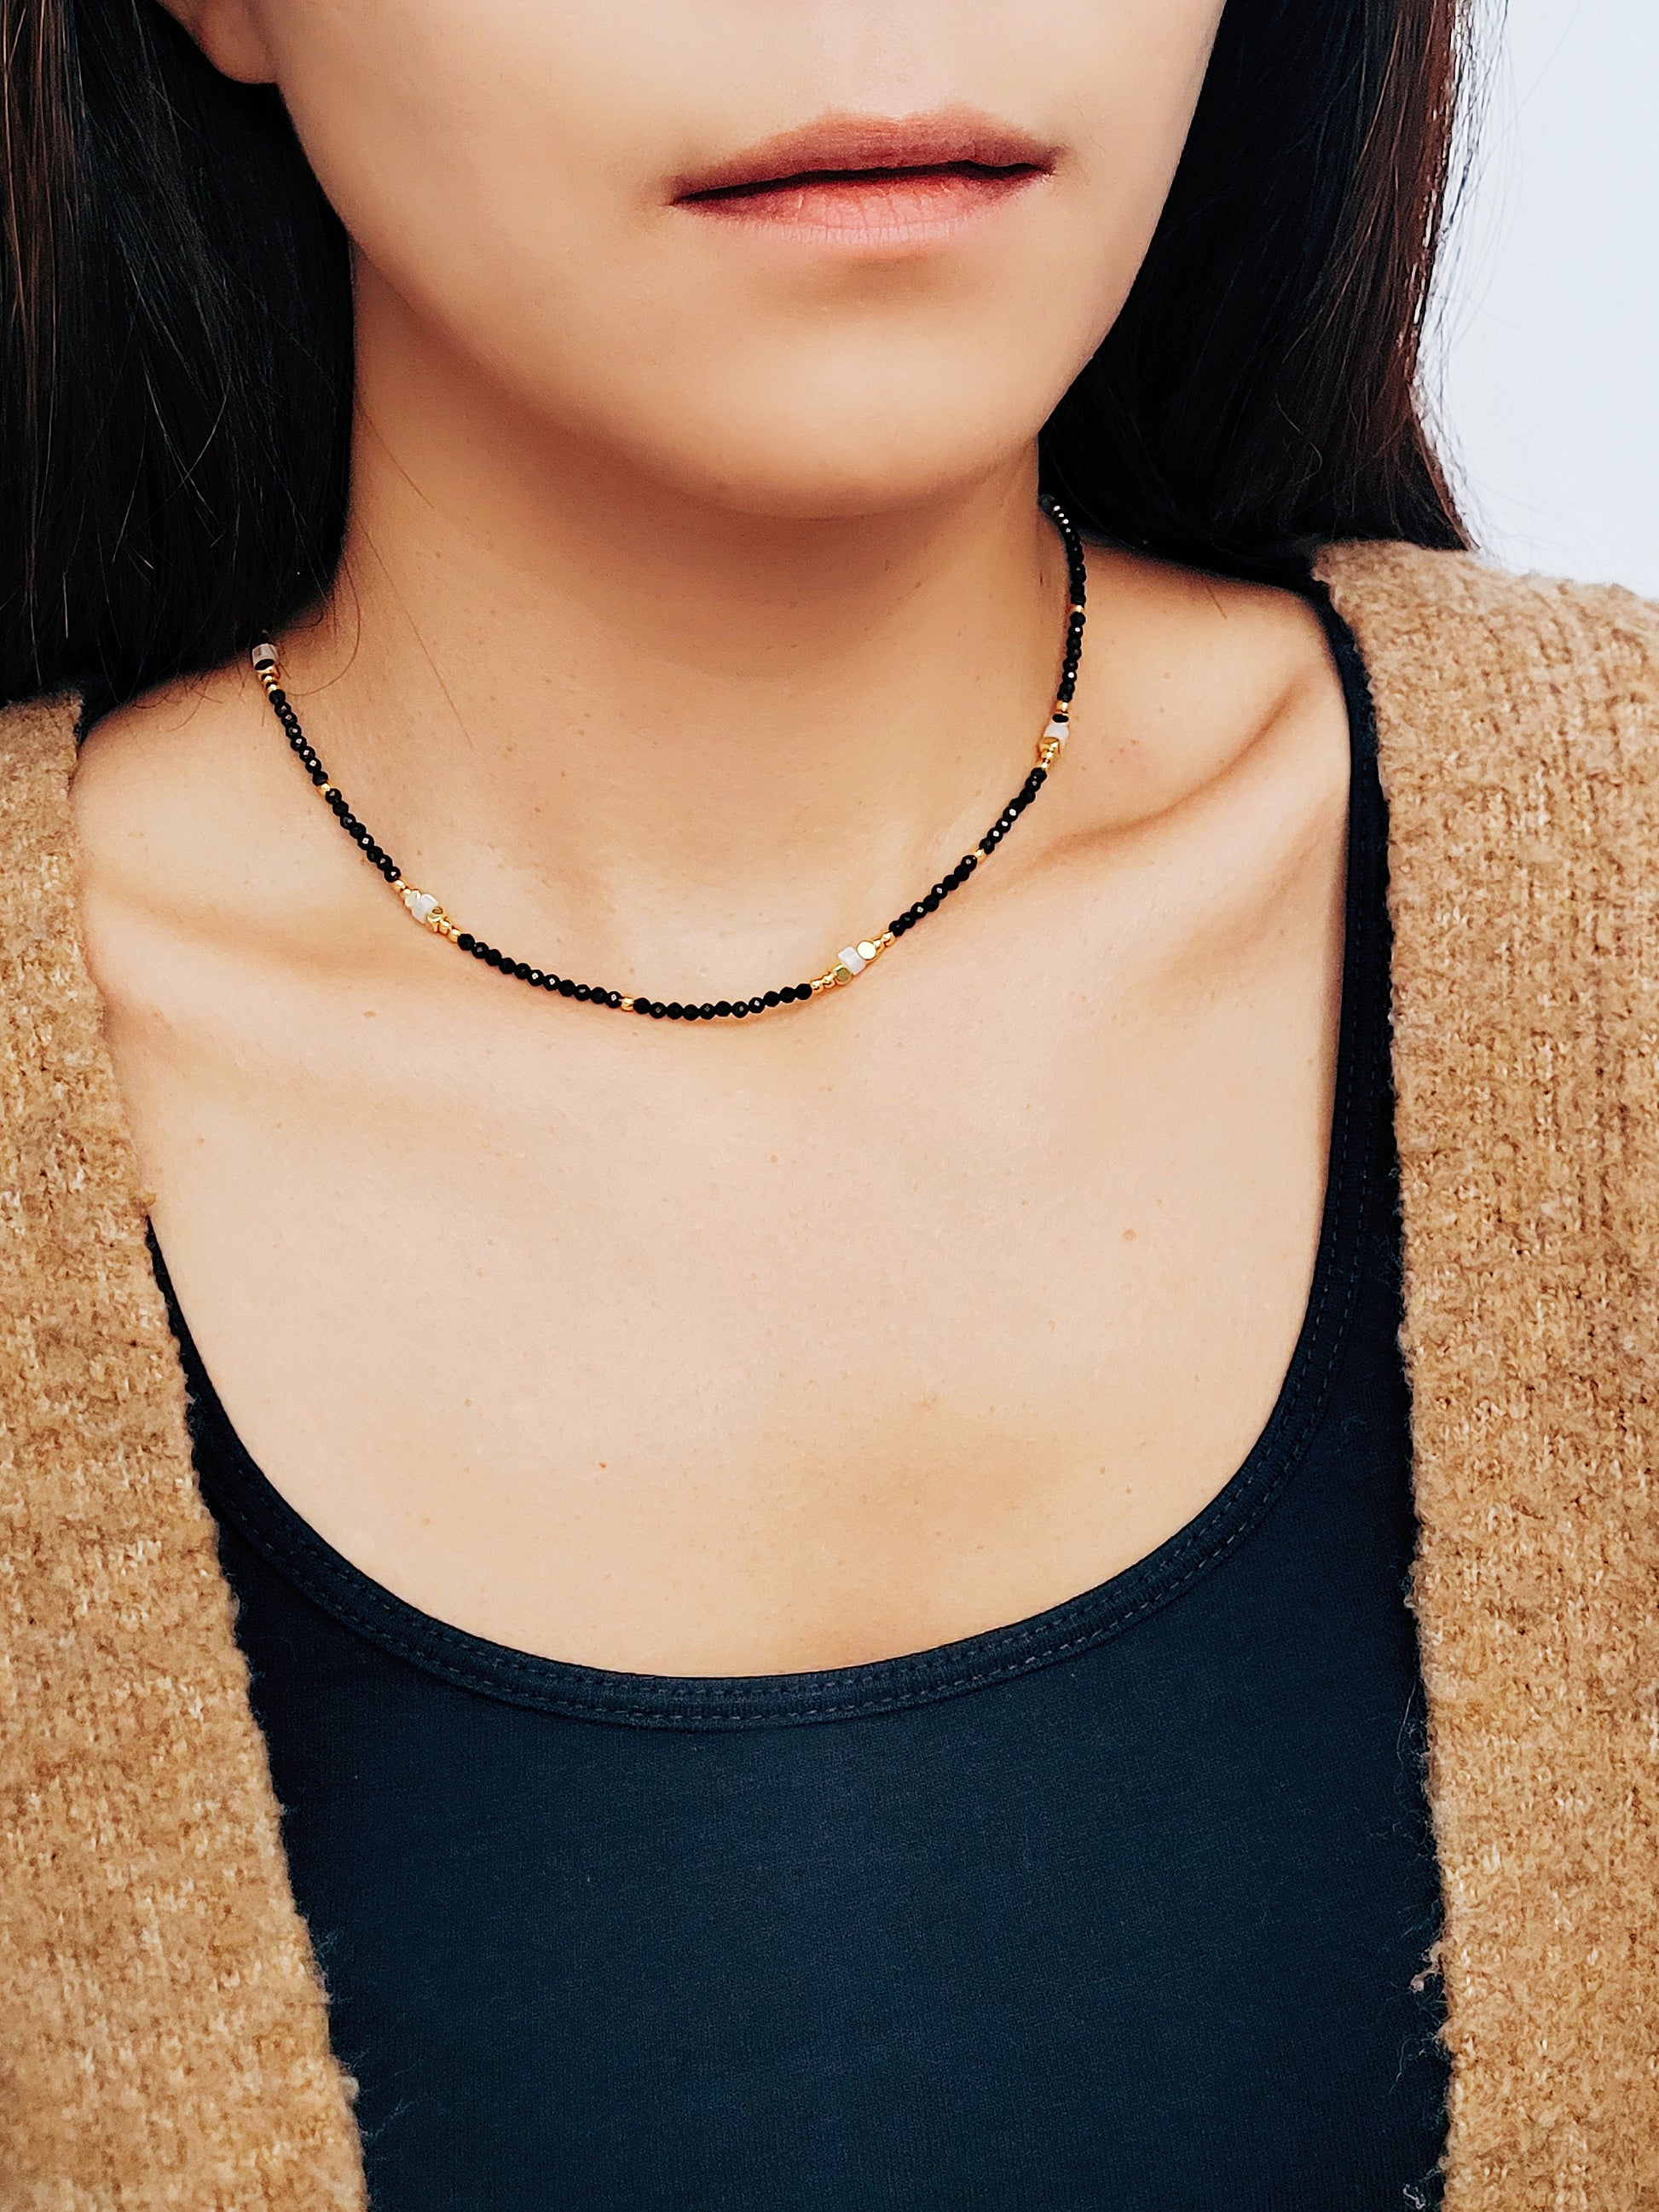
(818, 1511)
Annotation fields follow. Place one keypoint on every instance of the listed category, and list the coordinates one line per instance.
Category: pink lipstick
(870, 182)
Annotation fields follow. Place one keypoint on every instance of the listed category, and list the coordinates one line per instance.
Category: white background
(1543, 364)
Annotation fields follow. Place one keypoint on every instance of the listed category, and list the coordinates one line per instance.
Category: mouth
(871, 181)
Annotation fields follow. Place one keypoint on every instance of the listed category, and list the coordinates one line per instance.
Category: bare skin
(759, 1348)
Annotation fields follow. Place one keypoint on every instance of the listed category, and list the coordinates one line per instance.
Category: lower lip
(914, 208)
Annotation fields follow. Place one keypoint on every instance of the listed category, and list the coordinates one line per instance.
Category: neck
(664, 735)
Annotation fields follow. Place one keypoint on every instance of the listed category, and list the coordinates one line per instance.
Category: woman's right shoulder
(38, 738)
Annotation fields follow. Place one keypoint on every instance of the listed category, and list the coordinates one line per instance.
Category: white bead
(1057, 730)
(850, 960)
(420, 904)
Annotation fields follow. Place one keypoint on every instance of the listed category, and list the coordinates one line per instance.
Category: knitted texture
(162, 2034)
(1519, 732)
(162, 2039)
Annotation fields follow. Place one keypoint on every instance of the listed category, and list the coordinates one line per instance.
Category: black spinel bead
(277, 697)
(536, 977)
(674, 1010)
(567, 988)
(656, 1009)
(584, 992)
(642, 1006)
(930, 905)
(491, 958)
(757, 1004)
(706, 1010)
(741, 1009)
(722, 1007)
(772, 998)
(521, 969)
(389, 869)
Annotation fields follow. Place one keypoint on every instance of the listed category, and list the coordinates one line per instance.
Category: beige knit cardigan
(163, 2036)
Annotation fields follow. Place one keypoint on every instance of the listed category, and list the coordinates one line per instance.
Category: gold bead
(865, 950)
(628, 1005)
(839, 974)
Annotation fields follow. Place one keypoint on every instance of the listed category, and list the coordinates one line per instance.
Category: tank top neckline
(239, 1492)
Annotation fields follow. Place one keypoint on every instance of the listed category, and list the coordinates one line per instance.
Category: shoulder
(1491, 674)
(37, 757)
(37, 760)
(1517, 722)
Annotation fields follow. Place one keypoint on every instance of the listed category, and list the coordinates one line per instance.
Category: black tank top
(1126, 1905)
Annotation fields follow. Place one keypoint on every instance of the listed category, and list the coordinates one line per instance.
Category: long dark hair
(175, 385)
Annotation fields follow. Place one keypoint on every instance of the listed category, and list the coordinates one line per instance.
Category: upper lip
(838, 144)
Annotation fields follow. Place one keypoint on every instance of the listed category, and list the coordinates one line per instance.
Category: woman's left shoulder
(1489, 676)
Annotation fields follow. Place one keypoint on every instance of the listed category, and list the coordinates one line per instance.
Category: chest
(706, 1350)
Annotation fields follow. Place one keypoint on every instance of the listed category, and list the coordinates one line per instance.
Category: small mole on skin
(1129, 1236)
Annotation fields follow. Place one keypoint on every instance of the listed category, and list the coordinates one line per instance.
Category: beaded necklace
(851, 961)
